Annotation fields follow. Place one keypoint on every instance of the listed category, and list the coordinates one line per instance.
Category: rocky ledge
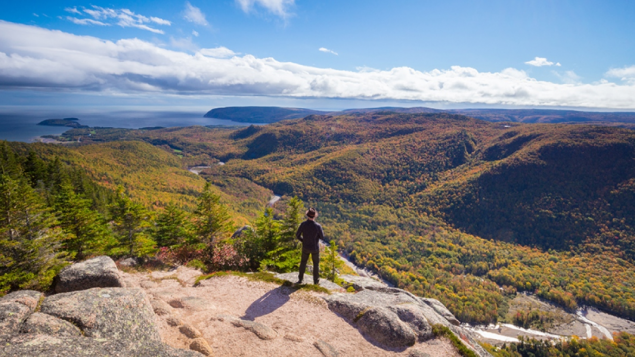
(93, 319)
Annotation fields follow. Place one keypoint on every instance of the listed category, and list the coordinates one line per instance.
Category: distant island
(260, 115)
(266, 115)
(69, 122)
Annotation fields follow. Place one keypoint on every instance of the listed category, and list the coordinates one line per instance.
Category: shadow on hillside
(268, 303)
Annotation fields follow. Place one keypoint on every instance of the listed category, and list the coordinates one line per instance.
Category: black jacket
(310, 233)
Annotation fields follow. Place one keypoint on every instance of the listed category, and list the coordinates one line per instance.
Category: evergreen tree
(172, 227)
(281, 250)
(130, 222)
(34, 169)
(292, 219)
(331, 261)
(212, 219)
(30, 240)
(87, 229)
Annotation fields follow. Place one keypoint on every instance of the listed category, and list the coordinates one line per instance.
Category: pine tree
(281, 252)
(212, 220)
(130, 222)
(30, 240)
(331, 261)
(291, 221)
(172, 227)
(87, 229)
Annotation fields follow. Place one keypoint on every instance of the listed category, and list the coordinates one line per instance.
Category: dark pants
(316, 266)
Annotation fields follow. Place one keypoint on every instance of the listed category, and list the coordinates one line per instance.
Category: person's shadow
(268, 303)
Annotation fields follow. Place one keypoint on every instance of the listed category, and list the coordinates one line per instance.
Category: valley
(505, 223)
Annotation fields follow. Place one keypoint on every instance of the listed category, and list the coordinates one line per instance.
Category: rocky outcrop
(394, 317)
(111, 321)
(441, 310)
(15, 308)
(100, 272)
(44, 324)
(112, 313)
(52, 346)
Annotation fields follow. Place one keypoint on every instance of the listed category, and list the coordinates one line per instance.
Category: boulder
(129, 262)
(100, 272)
(394, 317)
(161, 307)
(29, 298)
(441, 310)
(201, 345)
(54, 346)
(39, 323)
(263, 331)
(174, 321)
(15, 308)
(111, 313)
(385, 327)
(190, 331)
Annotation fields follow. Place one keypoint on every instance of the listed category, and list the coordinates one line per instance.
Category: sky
(319, 54)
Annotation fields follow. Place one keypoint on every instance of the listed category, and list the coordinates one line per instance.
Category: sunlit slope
(152, 175)
(547, 186)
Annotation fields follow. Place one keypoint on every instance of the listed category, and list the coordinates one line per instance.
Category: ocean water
(21, 124)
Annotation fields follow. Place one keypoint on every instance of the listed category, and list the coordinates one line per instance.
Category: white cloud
(121, 17)
(36, 15)
(160, 21)
(324, 49)
(73, 10)
(194, 14)
(32, 57)
(195, 33)
(541, 61)
(218, 52)
(625, 74)
(85, 21)
(278, 7)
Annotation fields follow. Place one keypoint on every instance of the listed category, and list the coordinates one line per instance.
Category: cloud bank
(41, 59)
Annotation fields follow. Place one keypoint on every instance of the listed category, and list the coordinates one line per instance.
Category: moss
(442, 331)
(263, 276)
(361, 313)
(39, 303)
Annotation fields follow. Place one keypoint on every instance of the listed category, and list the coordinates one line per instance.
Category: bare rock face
(112, 313)
(100, 272)
(44, 324)
(110, 321)
(15, 308)
(52, 346)
(263, 331)
(385, 327)
(394, 317)
(441, 310)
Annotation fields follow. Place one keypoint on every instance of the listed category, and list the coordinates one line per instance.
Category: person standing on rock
(309, 233)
